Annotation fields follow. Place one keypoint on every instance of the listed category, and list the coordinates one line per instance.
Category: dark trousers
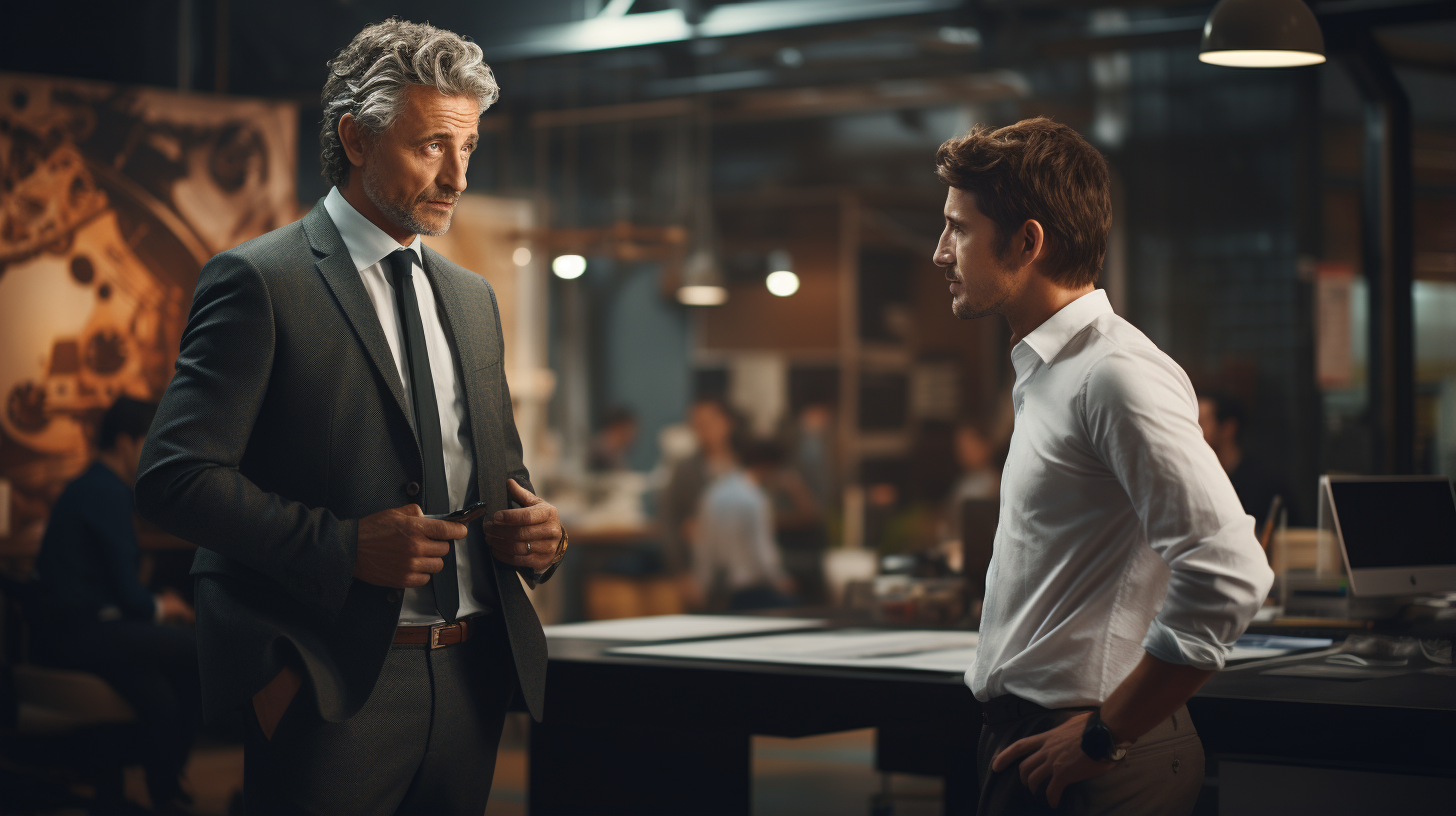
(153, 668)
(424, 742)
(1160, 776)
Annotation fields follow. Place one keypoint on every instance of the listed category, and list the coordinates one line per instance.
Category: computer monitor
(1397, 533)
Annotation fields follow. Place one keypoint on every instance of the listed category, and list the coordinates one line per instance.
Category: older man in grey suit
(338, 383)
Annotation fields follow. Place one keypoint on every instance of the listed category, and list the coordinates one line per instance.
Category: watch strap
(1097, 740)
(534, 579)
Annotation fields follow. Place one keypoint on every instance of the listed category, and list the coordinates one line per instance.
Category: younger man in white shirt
(1124, 565)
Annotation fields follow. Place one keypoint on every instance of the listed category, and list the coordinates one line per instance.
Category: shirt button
(394, 596)
(412, 489)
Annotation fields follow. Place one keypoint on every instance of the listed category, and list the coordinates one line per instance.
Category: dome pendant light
(1262, 34)
(781, 280)
(702, 282)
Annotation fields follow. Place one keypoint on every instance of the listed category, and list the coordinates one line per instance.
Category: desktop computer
(1383, 544)
(1396, 534)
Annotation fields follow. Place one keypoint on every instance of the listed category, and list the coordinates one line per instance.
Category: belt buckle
(435, 635)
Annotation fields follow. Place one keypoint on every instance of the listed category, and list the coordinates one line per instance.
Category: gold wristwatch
(537, 578)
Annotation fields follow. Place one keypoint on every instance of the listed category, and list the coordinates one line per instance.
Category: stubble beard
(960, 305)
(401, 213)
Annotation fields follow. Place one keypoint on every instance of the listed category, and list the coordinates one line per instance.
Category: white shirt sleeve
(1143, 421)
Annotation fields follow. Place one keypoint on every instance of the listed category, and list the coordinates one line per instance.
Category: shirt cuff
(1171, 646)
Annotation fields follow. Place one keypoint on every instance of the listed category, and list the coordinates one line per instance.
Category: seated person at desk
(613, 442)
(101, 619)
(978, 479)
(712, 425)
(1222, 420)
(1123, 567)
(734, 553)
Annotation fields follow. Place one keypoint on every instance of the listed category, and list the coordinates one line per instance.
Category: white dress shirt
(1119, 532)
(368, 247)
(734, 537)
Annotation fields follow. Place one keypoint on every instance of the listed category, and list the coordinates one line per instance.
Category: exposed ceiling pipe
(624, 30)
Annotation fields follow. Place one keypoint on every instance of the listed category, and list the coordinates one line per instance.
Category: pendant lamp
(702, 282)
(1262, 34)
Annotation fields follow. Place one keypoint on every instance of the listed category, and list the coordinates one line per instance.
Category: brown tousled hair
(1039, 170)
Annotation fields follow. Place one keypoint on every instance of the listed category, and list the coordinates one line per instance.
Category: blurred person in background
(100, 618)
(1222, 419)
(979, 477)
(801, 492)
(712, 426)
(736, 561)
(799, 530)
(613, 442)
(813, 454)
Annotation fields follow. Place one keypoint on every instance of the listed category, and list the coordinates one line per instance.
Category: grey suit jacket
(285, 423)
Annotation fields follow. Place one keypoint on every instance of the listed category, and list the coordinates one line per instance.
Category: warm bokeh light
(521, 256)
(1261, 59)
(782, 283)
(702, 295)
(568, 267)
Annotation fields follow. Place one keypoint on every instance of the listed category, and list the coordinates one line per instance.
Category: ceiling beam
(671, 25)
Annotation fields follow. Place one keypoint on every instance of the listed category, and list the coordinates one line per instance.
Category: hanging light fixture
(781, 280)
(568, 267)
(702, 280)
(702, 283)
(1262, 34)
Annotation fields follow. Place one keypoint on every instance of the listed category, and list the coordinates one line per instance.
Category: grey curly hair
(368, 79)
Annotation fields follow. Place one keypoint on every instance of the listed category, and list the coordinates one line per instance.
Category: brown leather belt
(436, 636)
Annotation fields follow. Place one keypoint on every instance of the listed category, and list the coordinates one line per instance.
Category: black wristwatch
(1097, 741)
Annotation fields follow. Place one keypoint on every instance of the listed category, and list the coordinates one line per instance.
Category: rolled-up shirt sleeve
(1142, 416)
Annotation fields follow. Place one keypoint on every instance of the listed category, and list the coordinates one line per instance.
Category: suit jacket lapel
(339, 272)
(472, 329)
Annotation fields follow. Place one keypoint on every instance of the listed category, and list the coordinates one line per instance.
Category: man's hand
(173, 608)
(1053, 758)
(536, 523)
(401, 548)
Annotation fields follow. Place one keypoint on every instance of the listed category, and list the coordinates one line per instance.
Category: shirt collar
(367, 243)
(1048, 339)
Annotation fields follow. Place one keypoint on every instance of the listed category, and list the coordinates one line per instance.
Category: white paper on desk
(678, 627)
(918, 650)
(1255, 647)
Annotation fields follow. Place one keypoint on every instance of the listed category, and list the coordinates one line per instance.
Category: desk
(636, 735)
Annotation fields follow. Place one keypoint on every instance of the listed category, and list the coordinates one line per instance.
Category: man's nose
(942, 256)
(452, 174)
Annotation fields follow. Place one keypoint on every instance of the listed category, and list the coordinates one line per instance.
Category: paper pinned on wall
(1334, 350)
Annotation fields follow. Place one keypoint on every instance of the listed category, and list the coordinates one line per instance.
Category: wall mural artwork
(111, 200)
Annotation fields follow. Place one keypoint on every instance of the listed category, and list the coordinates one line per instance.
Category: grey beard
(399, 214)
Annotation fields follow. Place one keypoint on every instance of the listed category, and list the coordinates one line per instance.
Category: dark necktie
(435, 495)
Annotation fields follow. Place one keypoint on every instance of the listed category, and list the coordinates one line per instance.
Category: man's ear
(351, 136)
(1029, 244)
